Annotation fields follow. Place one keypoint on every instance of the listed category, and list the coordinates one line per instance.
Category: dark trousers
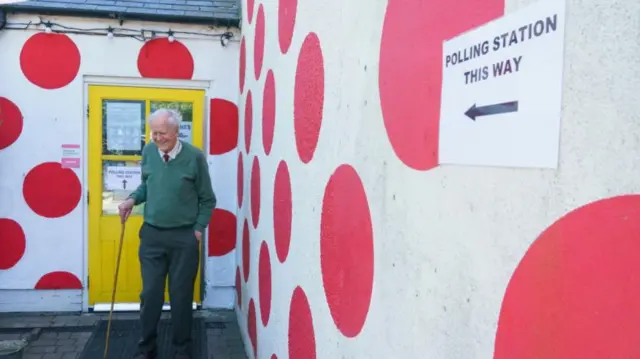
(162, 253)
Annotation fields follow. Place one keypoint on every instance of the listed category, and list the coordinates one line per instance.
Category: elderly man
(179, 200)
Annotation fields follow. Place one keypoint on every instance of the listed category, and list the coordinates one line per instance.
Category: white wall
(56, 116)
(467, 262)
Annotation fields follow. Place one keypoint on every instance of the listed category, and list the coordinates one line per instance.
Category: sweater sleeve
(206, 196)
(139, 195)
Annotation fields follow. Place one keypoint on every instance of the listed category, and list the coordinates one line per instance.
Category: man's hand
(125, 209)
(198, 236)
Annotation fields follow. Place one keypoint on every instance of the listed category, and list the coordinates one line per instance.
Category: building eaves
(207, 12)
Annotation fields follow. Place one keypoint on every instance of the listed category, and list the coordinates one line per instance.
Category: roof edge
(115, 15)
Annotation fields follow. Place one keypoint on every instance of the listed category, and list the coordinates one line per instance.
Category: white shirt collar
(174, 152)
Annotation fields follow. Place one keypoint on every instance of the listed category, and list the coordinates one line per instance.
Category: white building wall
(49, 205)
(420, 260)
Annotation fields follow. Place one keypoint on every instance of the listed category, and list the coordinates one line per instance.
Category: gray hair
(173, 117)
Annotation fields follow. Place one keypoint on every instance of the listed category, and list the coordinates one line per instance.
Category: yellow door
(117, 133)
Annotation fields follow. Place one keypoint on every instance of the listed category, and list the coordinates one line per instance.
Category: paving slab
(64, 336)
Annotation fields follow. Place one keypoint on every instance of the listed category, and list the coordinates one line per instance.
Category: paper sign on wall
(502, 90)
(70, 156)
(119, 178)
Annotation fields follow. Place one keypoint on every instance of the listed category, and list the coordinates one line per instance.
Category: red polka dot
(250, 4)
(302, 340)
(222, 233)
(246, 249)
(411, 70)
(282, 211)
(12, 242)
(59, 280)
(575, 293)
(238, 287)
(240, 180)
(10, 123)
(264, 277)
(286, 22)
(251, 327)
(248, 121)
(346, 250)
(273, 356)
(243, 63)
(50, 61)
(159, 58)
(308, 101)
(268, 112)
(51, 191)
(258, 43)
(223, 129)
(255, 192)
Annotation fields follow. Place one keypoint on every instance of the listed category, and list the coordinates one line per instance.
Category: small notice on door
(185, 132)
(70, 156)
(119, 178)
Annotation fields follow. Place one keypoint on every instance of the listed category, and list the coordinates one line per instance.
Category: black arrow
(506, 107)
(124, 184)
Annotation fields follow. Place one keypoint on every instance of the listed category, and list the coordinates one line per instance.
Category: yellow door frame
(101, 250)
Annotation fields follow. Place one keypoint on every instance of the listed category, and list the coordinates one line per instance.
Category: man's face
(164, 134)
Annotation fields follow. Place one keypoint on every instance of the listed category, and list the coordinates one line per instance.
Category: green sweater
(177, 193)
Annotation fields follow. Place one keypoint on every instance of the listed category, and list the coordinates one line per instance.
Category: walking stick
(113, 292)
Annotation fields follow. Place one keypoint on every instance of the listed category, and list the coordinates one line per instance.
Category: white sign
(124, 126)
(119, 178)
(502, 90)
(185, 132)
(70, 156)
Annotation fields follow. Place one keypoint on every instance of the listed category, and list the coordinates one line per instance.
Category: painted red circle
(346, 250)
(308, 100)
(248, 121)
(268, 112)
(258, 43)
(51, 191)
(10, 123)
(410, 77)
(302, 338)
(246, 250)
(59, 280)
(273, 356)
(264, 279)
(50, 61)
(282, 211)
(238, 287)
(13, 243)
(255, 192)
(252, 328)
(286, 23)
(240, 180)
(159, 58)
(223, 129)
(222, 233)
(575, 292)
(250, 4)
(243, 63)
